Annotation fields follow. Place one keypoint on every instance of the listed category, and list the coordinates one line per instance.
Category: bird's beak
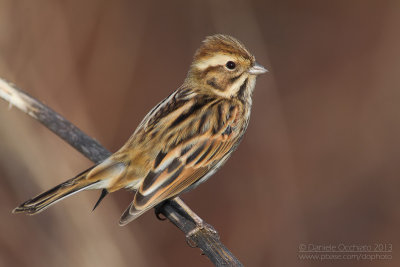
(257, 69)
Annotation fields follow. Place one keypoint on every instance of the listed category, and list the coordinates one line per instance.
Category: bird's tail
(61, 191)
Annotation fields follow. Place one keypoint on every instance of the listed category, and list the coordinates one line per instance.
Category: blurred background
(319, 163)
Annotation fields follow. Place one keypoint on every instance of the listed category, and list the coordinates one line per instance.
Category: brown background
(319, 163)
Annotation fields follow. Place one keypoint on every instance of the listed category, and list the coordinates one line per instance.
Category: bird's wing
(181, 166)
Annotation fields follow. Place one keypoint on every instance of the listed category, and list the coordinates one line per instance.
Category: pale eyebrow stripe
(219, 59)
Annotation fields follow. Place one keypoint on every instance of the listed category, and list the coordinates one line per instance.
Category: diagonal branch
(175, 209)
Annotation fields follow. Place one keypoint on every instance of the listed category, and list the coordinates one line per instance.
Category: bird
(182, 141)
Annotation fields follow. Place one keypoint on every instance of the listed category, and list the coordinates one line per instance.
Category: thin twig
(175, 209)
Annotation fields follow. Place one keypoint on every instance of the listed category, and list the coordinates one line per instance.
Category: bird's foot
(159, 214)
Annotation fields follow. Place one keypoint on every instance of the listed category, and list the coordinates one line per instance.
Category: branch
(175, 209)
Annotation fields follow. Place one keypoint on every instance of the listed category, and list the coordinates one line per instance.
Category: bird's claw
(157, 212)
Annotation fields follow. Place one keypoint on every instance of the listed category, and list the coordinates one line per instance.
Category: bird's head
(223, 66)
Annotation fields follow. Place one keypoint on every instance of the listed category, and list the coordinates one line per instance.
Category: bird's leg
(200, 224)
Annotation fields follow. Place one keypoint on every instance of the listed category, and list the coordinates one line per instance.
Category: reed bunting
(182, 141)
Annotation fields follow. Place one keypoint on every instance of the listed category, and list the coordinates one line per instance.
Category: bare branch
(175, 210)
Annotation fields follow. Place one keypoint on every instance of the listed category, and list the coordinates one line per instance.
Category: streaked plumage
(183, 140)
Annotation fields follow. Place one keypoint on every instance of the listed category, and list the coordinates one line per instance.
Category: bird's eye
(230, 65)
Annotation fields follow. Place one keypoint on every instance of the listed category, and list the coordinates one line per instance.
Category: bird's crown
(221, 44)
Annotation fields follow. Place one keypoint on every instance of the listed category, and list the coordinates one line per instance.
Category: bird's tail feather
(59, 192)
